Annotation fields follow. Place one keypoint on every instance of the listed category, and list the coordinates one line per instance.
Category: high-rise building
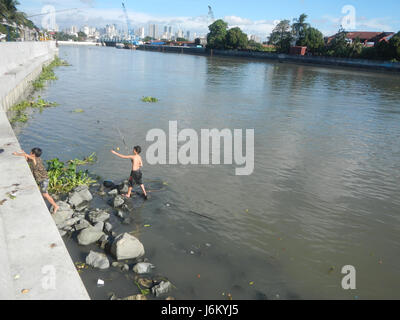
(188, 35)
(140, 32)
(153, 31)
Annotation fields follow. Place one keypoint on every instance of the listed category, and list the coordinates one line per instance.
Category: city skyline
(256, 18)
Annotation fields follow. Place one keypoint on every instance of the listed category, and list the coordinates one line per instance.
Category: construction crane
(210, 14)
(128, 25)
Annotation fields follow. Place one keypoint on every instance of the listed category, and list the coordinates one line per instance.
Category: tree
(180, 39)
(236, 39)
(281, 37)
(394, 45)
(313, 40)
(339, 45)
(299, 29)
(217, 34)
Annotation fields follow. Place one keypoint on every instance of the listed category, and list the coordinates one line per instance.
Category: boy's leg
(52, 202)
(144, 191)
(128, 195)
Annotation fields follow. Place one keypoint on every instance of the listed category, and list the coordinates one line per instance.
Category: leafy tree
(281, 37)
(236, 39)
(147, 39)
(394, 45)
(255, 46)
(197, 41)
(180, 39)
(339, 45)
(82, 36)
(217, 34)
(299, 29)
(313, 40)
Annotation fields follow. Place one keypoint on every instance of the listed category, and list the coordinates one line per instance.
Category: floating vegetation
(19, 110)
(65, 177)
(48, 73)
(88, 160)
(144, 292)
(149, 99)
(78, 110)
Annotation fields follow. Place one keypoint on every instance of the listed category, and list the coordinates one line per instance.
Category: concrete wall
(20, 63)
(371, 65)
(34, 262)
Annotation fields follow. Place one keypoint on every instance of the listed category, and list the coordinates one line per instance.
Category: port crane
(128, 25)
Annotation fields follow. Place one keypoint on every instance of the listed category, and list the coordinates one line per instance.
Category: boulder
(64, 213)
(124, 186)
(89, 235)
(98, 216)
(109, 184)
(82, 224)
(99, 225)
(108, 227)
(142, 267)
(126, 246)
(113, 192)
(121, 265)
(118, 201)
(97, 260)
(67, 223)
(162, 288)
(79, 195)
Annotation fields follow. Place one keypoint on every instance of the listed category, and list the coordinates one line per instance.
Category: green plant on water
(144, 292)
(149, 99)
(19, 109)
(87, 160)
(48, 73)
(78, 111)
(63, 177)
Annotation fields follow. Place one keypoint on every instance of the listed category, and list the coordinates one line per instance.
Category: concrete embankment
(371, 65)
(78, 43)
(34, 262)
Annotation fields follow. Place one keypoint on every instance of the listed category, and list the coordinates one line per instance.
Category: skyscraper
(153, 31)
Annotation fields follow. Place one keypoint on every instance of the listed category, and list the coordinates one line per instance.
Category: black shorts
(135, 178)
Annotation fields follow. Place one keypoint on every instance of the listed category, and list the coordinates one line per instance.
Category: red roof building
(366, 37)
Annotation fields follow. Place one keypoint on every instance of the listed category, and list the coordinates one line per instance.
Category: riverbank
(78, 43)
(35, 264)
(370, 65)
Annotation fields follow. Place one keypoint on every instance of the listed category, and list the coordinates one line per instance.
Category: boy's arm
(23, 154)
(120, 155)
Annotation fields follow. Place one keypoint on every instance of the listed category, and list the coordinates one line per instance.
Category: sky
(256, 17)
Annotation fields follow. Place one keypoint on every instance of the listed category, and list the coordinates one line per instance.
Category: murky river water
(324, 193)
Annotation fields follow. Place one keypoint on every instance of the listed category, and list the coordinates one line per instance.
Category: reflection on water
(324, 192)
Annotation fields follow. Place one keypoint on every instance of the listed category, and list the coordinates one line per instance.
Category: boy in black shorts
(136, 174)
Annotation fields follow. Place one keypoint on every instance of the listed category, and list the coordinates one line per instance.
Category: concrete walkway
(34, 262)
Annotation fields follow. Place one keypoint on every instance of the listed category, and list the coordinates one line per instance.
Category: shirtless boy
(136, 174)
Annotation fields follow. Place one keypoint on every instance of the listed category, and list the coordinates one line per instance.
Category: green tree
(255, 46)
(299, 29)
(281, 37)
(339, 45)
(236, 39)
(313, 40)
(217, 34)
(82, 36)
(394, 45)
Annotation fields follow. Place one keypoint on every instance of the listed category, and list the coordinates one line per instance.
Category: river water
(324, 192)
